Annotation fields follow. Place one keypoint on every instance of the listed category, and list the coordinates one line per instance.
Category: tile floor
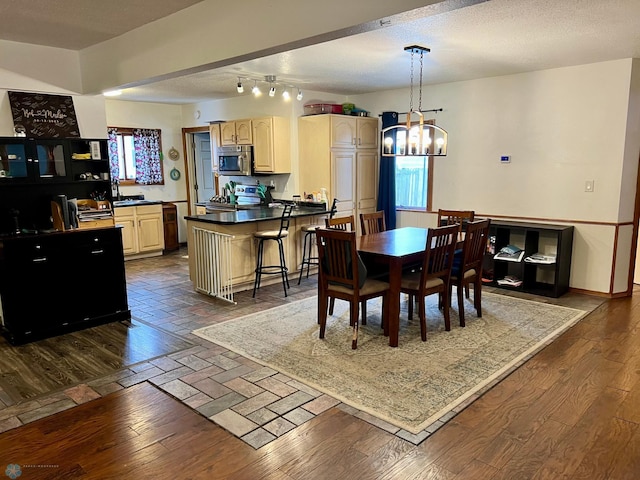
(253, 402)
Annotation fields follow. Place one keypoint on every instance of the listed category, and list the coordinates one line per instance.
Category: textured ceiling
(76, 24)
(497, 37)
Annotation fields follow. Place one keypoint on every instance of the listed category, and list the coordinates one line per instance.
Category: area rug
(411, 386)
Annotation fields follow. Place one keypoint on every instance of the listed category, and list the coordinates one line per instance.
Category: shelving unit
(550, 280)
(35, 170)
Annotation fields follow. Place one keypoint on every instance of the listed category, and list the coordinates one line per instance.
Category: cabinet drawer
(149, 209)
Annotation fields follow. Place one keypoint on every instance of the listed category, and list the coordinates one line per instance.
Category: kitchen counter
(254, 215)
(134, 203)
(222, 247)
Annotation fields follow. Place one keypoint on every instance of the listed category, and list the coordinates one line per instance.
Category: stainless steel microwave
(235, 160)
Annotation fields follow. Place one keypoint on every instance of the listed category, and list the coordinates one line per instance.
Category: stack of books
(540, 258)
(510, 253)
(510, 281)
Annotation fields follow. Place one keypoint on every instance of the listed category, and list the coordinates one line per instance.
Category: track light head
(285, 95)
(299, 96)
(256, 90)
(272, 91)
(239, 87)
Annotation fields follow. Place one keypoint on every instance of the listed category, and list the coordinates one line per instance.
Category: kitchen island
(222, 249)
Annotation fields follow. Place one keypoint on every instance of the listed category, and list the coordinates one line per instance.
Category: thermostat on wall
(505, 159)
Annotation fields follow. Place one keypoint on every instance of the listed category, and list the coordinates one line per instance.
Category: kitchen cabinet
(238, 132)
(72, 280)
(271, 145)
(142, 230)
(170, 226)
(348, 132)
(339, 152)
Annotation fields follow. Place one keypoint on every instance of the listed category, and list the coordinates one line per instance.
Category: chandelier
(415, 138)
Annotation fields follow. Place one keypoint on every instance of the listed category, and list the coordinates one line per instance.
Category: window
(414, 179)
(135, 156)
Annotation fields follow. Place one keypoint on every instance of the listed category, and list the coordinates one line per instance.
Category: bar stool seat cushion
(271, 234)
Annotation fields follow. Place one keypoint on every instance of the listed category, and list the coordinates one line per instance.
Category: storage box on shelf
(548, 276)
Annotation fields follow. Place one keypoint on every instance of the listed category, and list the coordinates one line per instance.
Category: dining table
(395, 248)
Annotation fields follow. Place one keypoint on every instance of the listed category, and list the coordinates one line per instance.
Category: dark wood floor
(571, 412)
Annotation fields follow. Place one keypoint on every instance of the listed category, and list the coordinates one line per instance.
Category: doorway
(203, 168)
(199, 153)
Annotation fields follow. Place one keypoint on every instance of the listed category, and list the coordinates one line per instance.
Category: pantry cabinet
(271, 145)
(340, 153)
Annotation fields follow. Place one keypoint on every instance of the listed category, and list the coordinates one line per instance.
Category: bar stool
(277, 236)
(307, 258)
(309, 235)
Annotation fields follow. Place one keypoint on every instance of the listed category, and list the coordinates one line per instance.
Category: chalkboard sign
(44, 116)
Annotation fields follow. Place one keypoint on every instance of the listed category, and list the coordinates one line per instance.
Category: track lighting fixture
(287, 89)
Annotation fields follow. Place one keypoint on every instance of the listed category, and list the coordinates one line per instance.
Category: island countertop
(253, 215)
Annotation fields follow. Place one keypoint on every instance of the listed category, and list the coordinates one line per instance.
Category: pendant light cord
(420, 91)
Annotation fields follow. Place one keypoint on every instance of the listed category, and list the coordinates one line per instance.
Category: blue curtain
(387, 183)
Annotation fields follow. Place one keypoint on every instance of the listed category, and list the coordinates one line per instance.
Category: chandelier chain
(420, 91)
(411, 90)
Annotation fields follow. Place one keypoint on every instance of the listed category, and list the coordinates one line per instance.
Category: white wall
(561, 127)
(168, 118)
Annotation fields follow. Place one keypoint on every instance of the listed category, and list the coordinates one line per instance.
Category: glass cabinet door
(13, 160)
(50, 159)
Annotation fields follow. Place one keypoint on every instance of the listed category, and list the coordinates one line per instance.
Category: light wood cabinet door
(150, 232)
(263, 156)
(129, 235)
(236, 133)
(343, 179)
(367, 184)
(244, 133)
(271, 145)
(243, 254)
(343, 131)
(228, 133)
(367, 129)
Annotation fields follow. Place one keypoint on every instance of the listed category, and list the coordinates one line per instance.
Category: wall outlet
(588, 186)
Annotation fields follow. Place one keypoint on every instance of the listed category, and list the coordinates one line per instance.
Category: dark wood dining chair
(340, 276)
(341, 223)
(346, 224)
(372, 222)
(449, 217)
(467, 269)
(435, 275)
